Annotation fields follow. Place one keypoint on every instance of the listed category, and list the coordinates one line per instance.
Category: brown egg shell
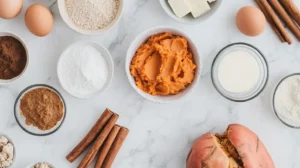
(10, 8)
(250, 21)
(39, 20)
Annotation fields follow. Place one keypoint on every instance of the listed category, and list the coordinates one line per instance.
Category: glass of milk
(240, 72)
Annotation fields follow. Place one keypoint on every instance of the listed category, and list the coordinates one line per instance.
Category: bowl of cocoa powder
(40, 110)
(13, 57)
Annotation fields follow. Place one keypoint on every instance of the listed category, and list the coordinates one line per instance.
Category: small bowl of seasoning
(90, 17)
(85, 69)
(14, 57)
(40, 165)
(40, 110)
(7, 151)
(239, 72)
(286, 100)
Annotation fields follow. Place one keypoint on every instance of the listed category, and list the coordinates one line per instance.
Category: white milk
(238, 72)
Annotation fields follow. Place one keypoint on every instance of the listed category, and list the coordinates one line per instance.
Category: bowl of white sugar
(286, 100)
(85, 69)
(90, 17)
(240, 72)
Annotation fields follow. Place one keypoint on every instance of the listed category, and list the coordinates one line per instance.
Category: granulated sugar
(82, 70)
(92, 14)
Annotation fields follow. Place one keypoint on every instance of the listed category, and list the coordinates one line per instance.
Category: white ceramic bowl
(140, 39)
(11, 141)
(109, 61)
(33, 164)
(68, 21)
(189, 19)
(4, 82)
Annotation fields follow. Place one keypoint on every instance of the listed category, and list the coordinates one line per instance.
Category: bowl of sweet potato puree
(163, 64)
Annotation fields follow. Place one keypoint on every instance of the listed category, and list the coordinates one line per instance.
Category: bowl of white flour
(90, 17)
(85, 69)
(286, 100)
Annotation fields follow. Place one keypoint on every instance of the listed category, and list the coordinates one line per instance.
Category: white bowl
(189, 19)
(109, 61)
(7, 81)
(140, 40)
(64, 14)
(33, 164)
(10, 141)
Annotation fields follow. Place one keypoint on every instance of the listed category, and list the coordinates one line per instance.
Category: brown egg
(39, 20)
(250, 21)
(10, 8)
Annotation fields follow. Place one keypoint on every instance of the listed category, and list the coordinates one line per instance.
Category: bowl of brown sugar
(13, 57)
(40, 110)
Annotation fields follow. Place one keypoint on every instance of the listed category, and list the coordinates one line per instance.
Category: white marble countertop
(160, 134)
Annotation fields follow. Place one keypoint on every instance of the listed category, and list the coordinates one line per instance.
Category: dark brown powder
(12, 57)
(42, 108)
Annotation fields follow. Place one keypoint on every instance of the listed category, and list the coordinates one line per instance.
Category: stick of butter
(180, 7)
(198, 7)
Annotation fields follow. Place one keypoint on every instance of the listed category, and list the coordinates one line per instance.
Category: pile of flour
(82, 71)
(92, 14)
(287, 100)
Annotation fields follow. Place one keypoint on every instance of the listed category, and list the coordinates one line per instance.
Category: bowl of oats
(90, 17)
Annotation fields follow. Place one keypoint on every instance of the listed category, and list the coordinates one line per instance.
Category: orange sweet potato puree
(163, 65)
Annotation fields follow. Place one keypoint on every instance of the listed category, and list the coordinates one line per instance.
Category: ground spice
(42, 108)
(12, 57)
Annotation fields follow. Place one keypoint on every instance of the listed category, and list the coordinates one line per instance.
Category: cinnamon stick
(292, 9)
(276, 20)
(91, 136)
(269, 19)
(107, 145)
(286, 18)
(116, 146)
(91, 154)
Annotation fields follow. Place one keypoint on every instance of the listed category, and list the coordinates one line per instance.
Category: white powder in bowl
(287, 100)
(82, 70)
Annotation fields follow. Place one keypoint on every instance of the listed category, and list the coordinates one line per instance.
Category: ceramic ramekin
(260, 85)
(8, 81)
(64, 14)
(139, 40)
(21, 119)
(108, 58)
(189, 19)
(14, 145)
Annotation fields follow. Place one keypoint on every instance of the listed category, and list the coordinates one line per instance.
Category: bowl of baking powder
(286, 100)
(90, 17)
(85, 69)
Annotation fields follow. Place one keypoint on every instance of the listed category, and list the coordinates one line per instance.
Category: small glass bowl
(21, 119)
(286, 122)
(260, 85)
